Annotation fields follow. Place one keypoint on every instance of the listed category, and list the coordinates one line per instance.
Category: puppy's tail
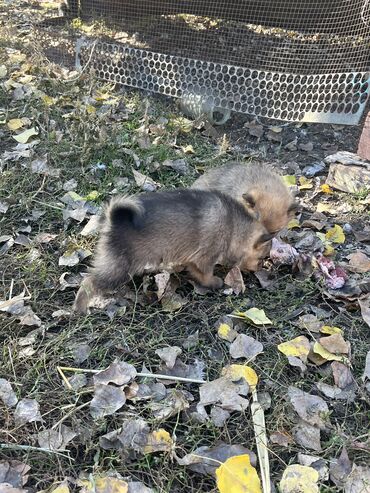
(125, 211)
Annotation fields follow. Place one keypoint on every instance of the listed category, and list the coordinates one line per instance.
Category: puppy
(173, 230)
(259, 189)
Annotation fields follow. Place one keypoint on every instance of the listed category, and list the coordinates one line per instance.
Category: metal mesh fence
(302, 60)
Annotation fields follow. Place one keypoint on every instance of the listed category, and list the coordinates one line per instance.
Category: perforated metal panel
(300, 60)
(326, 98)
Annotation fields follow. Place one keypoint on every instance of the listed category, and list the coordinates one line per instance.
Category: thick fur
(181, 229)
(257, 187)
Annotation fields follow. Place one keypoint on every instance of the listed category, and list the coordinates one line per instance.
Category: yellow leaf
(329, 250)
(158, 441)
(299, 479)
(90, 109)
(15, 124)
(224, 331)
(326, 189)
(62, 488)
(189, 149)
(324, 353)
(23, 137)
(289, 180)
(93, 195)
(328, 329)
(3, 71)
(104, 484)
(293, 223)
(48, 100)
(299, 347)
(255, 315)
(305, 183)
(236, 372)
(335, 234)
(237, 475)
(323, 207)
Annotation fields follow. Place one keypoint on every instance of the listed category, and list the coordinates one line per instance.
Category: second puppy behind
(257, 187)
(188, 229)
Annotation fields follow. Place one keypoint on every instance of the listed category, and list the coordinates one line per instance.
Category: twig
(39, 189)
(259, 426)
(15, 446)
(48, 205)
(61, 369)
(64, 378)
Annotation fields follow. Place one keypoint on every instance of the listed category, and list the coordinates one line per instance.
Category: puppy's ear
(249, 200)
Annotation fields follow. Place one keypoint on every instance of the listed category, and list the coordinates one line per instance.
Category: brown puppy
(257, 187)
(192, 229)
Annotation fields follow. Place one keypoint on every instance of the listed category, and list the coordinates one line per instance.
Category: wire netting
(302, 60)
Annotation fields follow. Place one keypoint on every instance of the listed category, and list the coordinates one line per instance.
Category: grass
(75, 139)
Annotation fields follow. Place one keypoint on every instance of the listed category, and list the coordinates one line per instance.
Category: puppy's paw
(215, 282)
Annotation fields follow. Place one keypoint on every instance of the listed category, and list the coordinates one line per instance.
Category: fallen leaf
(138, 487)
(27, 411)
(316, 463)
(219, 416)
(57, 439)
(254, 315)
(119, 373)
(310, 408)
(343, 377)
(44, 238)
(358, 480)
(81, 352)
(7, 394)
(307, 436)
(225, 330)
(309, 322)
(103, 484)
(174, 402)
(158, 441)
(326, 355)
(335, 344)
(15, 123)
(161, 281)
(144, 182)
(308, 147)
(325, 188)
(24, 136)
(237, 475)
(289, 180)
(350, 179)
(335, 234)
(234, 279)
(330, 330)
(293, 223)
(281, 438)
(366, 374)
(365, 309)
(169, 355)
(107, 400)
(224, 393)
(254, 129)
(131, 437)
(297, 478)
(298, 347)
(13, 476)
(205, 460)
(305, 183)
(178, 165)
(3, 71)
(92, 226)
(236, 372)
(4, 206)
(359, 262)
(314, 169)
(245, 347)
(340, 469)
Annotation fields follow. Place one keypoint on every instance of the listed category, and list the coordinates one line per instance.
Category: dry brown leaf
(359, 262)
(340, 469)
(282, 438)
(335, 344)
(119, 373)
(365, 309)
(235, 280)
(307, 436)
(56, 439)
(169, 355)
(107, 400)
(310, 408)
(27, 411)
(245, 347)
(7, 394)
